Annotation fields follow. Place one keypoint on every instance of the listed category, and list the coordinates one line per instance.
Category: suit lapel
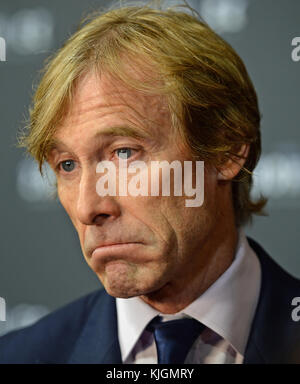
(273, 331)
(98, 342)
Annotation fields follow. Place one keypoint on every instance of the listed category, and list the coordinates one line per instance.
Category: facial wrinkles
(136, 227)
(142, 104)
(118, 115)
(135, 232)
(85, 115)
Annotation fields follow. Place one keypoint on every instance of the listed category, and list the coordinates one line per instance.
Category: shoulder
(52, 337)
(271, 270)
(274, 313)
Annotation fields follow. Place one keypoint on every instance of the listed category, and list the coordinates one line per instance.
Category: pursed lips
(112, 246)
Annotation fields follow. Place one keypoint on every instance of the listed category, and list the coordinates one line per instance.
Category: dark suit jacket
(85, 331)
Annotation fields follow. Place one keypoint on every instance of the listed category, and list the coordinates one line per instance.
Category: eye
(67, 165)
(124, 153)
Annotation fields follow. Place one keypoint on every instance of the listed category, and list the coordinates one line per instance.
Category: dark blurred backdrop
(41, 265)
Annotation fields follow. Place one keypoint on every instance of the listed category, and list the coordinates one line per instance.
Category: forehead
(104, 100)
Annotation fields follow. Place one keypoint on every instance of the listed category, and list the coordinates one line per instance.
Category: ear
(232, 167)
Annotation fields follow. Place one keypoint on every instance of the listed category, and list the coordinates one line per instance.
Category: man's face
(160, 244)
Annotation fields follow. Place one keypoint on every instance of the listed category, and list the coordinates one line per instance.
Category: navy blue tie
(174, 338)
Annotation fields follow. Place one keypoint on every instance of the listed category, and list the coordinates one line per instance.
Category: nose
(93, 209)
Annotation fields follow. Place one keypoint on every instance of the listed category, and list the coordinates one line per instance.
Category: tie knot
(174, 338)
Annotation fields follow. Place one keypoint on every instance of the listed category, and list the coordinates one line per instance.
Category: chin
(123, 293)
(123, 282)
(126, 291)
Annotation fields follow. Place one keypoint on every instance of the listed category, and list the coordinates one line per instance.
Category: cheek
(147, 215)
(192, 225)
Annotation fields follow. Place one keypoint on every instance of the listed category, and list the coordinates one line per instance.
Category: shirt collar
(133, 316)
(227, 306)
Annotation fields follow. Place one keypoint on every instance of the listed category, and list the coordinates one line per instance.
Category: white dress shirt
(227, 309)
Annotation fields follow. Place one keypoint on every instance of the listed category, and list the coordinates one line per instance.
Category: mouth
(114, 250)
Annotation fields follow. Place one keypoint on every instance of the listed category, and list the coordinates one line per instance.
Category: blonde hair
(212, 102)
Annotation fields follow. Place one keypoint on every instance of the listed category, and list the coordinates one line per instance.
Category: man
(139, 84)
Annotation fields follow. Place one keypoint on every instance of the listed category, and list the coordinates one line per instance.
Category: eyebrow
(123, 131)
